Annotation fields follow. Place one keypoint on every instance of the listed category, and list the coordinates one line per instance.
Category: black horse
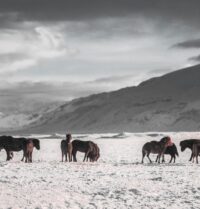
(11, 144)
(172, 151)
(188, 144)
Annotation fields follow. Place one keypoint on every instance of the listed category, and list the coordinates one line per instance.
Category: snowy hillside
(118, 180)
(167, 103)
(23, 103)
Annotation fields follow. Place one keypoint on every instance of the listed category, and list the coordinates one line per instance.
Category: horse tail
(143, 151)
(176, 152)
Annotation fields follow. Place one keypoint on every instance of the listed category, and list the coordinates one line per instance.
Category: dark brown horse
(172, 151)
(156, 147)
(66, 148)
(11, 144)
(188, 144)
(82, 146)
(94, 154)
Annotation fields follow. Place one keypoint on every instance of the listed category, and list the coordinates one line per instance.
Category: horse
(195, 151)
(29, 150)
(156, 147)
(11, 144)
(94, 154)
(172, 151)
(188, 144)
(66, 148)
(82, 146)
(36, 144)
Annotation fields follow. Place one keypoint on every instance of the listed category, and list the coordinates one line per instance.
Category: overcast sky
(106, 43)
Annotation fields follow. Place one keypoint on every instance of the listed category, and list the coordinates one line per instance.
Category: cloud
(23, 49)
(51, 10)
(85, 40)
(195, 59)
(194, 43)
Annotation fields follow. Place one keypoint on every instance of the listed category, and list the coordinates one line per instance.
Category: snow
(117, 180)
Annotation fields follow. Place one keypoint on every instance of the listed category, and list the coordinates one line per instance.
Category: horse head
(36, 143)
(167, 141)
(183, 145)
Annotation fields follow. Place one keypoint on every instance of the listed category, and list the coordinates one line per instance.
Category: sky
(96, 44)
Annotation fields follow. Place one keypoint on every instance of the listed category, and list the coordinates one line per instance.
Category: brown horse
(156, 147)
(29, 150)
(82, 146)
(36, 144)
(66, 148)
(195, 151)
(188, 143)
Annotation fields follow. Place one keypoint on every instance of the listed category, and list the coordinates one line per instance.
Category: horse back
(154, 147)
(12, 144)
(188, 143)
(81, 146)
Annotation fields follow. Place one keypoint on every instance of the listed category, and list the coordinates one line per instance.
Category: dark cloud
(51, 10)
(195, 43)
(105, 35)
(112, 79)
(195, 59)
(10, 57)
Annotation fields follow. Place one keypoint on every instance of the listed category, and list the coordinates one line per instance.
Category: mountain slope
(167, 103)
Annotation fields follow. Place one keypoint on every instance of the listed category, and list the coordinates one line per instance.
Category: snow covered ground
(117, 180)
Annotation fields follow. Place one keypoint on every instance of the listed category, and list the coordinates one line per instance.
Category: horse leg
(69, 157)
(143, 155)
(11, 155)
(174, 158)
(163, 159)
(66, 157)
(31, 156)
(86, 155)
(26, 157)
(62, 156)
(191, 157)
(156, 158)
(171, 159)
(74, 156)
(23, 156)
(159, 156)
(8, 155)
(149, 157)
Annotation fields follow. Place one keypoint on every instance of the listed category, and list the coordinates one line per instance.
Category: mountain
(167, 103)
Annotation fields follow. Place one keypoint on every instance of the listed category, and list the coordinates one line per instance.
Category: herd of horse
(68, 149)
(91, 150)
(166, 146)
